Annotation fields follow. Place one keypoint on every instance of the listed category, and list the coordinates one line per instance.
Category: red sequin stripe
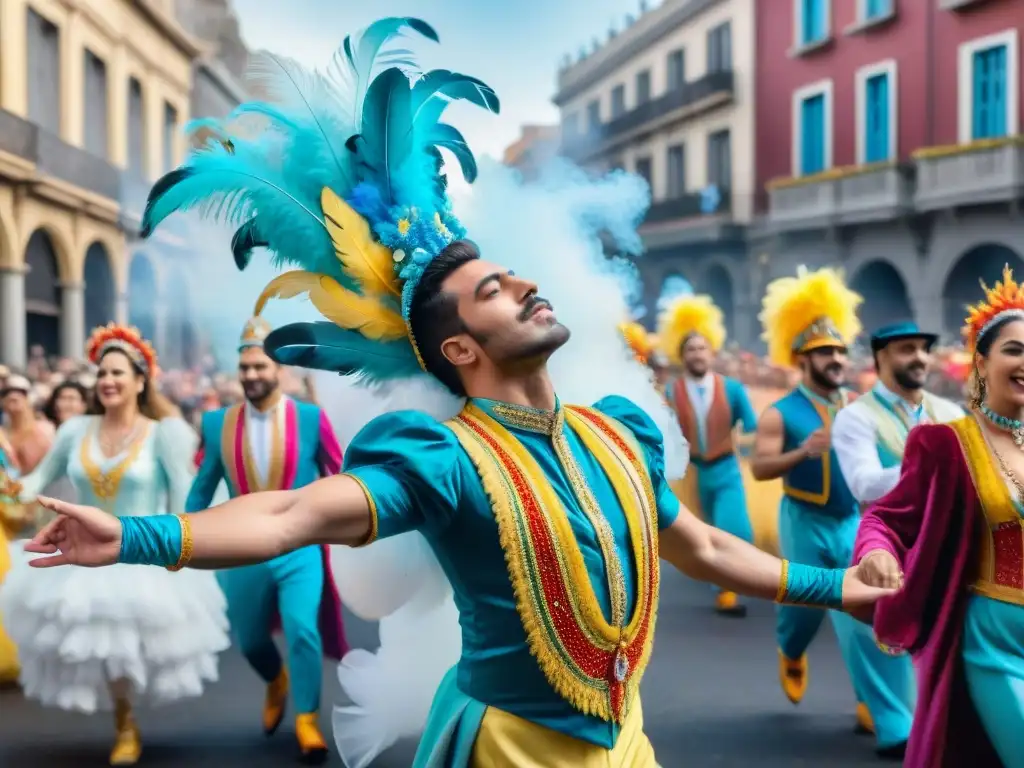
(1008, 551)
(592, 661)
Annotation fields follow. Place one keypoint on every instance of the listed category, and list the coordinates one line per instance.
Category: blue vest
(815, 482)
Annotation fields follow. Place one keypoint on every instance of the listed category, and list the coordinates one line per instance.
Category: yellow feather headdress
(637, 339)
(809, 311)
(688, 315)
(1005, 298)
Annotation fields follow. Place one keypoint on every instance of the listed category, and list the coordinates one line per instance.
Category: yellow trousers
(508, 741)
(9, 668)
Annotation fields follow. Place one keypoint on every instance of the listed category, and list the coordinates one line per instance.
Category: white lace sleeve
(176, 444)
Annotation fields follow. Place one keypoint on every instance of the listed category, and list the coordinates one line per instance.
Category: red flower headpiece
(127, 339)
(1006, 297)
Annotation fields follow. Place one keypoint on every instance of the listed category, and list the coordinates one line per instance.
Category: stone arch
(8, 239)
(42, 292)
(142, 295)
(181, 337)
(718, 285)
(982, 262)
(886, 299)
(100, 286)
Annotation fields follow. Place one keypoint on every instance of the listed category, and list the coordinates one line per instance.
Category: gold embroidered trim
(530, 419)
(587, 693)
(372, 535)
(186, 544)
(275, 470)
(780, 595)
(105, 485)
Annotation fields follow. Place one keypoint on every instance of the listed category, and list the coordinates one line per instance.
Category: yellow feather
(686, 315)
(369, 262)
(341, 306)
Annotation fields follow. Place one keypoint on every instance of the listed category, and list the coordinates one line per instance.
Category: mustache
(832, 368)
(533, 303)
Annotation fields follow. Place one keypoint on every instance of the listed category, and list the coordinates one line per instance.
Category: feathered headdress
(688, 315)
(809, 311)
(254, 333)
(126, 339)
(343, 182)
(1004, 299)
(637, 340)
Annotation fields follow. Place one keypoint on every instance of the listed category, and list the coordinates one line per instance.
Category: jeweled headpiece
(637, 339)
(686, 316)
(1004, 299)
(126, 339)
(806, 312)
(344, 182)
(255, 333)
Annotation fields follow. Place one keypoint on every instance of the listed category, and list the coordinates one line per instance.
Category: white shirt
(259, 429)
(855, 441)
(701, 392)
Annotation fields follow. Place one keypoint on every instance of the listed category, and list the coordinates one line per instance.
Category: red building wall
(921, 39)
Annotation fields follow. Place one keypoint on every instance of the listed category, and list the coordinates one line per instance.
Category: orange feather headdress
(1005, 298)
(126, 339)
(637, 339)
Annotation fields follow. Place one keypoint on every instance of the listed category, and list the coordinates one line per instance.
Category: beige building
(671, 97)
(536, 147)
(93, 96)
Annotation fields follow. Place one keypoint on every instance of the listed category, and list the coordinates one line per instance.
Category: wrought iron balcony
(704, 93)
(690, 205)
(56, 158)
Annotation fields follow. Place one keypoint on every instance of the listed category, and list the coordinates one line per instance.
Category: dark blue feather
(444, 135)
(245, 240)
(427, 107)
(385, 142)
(326, 347)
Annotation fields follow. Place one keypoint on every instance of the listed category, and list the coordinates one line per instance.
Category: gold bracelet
(186, 544)
(780, 595)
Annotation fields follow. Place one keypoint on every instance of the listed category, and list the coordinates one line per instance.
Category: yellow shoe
(865, 724)
(728, 604)
(128, 744)
(275, 702)
(793, 677)
(311, 740)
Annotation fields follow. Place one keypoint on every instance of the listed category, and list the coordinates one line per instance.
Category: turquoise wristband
(811, 586)
(153, 540)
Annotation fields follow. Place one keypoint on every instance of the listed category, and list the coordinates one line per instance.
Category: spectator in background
(69, 398)
(30, 437)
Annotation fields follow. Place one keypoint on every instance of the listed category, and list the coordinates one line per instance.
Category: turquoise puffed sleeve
(176, 444)
(408, 465)
(636, 420)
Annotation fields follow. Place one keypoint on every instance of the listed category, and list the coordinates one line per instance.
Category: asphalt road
(711, 698)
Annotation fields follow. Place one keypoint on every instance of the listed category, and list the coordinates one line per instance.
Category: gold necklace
(1004, 468)
(105, 484)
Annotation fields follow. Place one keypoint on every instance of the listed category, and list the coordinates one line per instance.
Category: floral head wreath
(1004, 299)
(126, 339)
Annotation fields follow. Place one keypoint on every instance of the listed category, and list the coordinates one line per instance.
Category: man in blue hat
(868, 437)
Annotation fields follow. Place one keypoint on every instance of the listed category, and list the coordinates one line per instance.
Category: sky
(515, 46)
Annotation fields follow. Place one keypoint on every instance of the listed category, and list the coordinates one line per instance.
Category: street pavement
(711, 699)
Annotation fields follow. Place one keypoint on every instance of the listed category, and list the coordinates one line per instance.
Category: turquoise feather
(326, 347)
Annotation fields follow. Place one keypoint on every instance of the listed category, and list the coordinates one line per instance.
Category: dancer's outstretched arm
(247, 529)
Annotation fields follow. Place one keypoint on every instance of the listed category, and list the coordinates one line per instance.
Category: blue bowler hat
(896, 331)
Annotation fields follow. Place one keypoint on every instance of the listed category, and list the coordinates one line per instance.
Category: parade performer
(637, 340)
(961, 611)
(709, 406)
(809, 321)
(274, 443)
(548, 519)
(870, 435)
(93, 639)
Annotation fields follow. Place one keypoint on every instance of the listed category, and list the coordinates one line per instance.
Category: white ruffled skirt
(78, 628)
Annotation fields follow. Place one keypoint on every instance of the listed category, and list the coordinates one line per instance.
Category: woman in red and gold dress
(952, 532)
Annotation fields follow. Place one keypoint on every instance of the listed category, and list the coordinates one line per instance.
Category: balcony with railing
(53, 157)
(989, 171)
(691, 98)
(861, 194)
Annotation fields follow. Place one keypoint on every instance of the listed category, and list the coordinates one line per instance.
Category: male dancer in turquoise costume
(274, 443)
(809, 321)
(709, 406)
(547, 519)
(868, 438)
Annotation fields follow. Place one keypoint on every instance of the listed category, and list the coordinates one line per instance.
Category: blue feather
(326, 347)
(444, 135)
(244, 242)
(428, 107)
(384, 143)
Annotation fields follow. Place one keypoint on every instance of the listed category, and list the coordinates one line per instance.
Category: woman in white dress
(92, 639)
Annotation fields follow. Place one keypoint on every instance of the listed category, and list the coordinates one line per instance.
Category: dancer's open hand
(79, 536)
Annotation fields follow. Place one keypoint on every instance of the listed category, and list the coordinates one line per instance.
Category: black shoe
(894, 752)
